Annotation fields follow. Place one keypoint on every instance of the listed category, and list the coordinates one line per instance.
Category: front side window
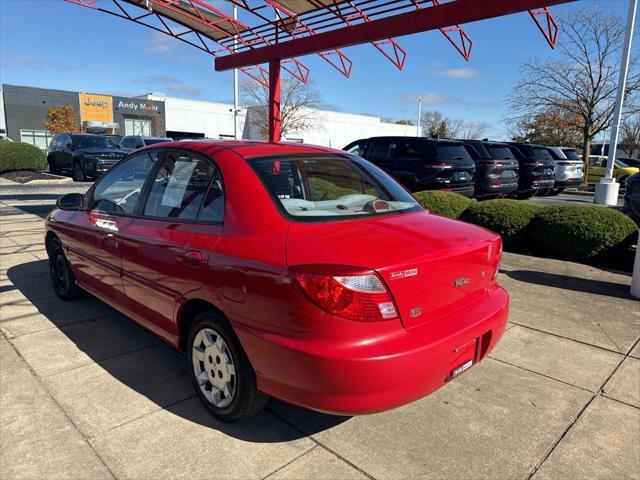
(186, 187)
(118, 190)
(330, 187)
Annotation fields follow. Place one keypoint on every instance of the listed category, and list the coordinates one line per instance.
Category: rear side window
(541, 154)
(501, 153)
(358, 149)
(182, 184)
(571, 154)
(404, 150)
(330, 187)
(453, 153)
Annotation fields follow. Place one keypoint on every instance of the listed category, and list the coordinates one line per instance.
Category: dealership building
(24, 109)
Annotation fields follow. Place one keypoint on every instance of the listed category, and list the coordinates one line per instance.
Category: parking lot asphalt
(85, 393)
(568, 199)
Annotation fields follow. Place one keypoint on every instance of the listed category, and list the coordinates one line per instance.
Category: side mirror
(70, 146)
(70, 201)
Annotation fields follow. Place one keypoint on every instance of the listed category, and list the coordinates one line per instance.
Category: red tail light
(354, 295)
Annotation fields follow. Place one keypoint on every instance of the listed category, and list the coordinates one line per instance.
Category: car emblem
(403, 274)
(461, 282)
(415, 312)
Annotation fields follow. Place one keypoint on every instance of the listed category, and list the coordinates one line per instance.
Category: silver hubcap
(214, 367)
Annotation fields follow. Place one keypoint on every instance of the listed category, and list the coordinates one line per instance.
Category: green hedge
(582, 232)
(21, 156)
(447, 204)
(509, 218)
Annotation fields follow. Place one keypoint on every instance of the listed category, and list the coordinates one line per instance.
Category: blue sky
(54, 44)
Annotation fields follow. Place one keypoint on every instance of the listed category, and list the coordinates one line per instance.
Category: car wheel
(220, 369)
(62, 277)
(53, 170)
(78, 174)
(524, 195)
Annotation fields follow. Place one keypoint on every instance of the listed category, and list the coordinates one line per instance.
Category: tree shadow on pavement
(127, 352)
(584, 285)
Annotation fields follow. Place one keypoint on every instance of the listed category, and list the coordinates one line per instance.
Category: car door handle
(192, 257)
(110, 240)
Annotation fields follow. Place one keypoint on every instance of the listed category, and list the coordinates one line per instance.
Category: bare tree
(472, 129)
(435, 124)
(583, 79)
(299, 103)
(630, 134)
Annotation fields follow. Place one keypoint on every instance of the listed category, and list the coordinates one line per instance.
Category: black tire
(78, 174)
(524, 195)
(556, 191)
(53, 170)
(545, 192)
(246, 400)
(62, 277)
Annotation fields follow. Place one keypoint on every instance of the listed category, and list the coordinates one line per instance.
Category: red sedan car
(297, 272)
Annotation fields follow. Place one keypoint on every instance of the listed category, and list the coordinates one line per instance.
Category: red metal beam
(424, 19)
(275, 113)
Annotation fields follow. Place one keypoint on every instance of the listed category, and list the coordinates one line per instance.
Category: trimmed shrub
(21, 156)
(582, 232)
(447, 204)
(508, 218)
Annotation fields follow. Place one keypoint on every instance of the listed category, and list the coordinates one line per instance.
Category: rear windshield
(571, 154)
(541, 154)
(453, 153)
(501, 153)
(331, 187)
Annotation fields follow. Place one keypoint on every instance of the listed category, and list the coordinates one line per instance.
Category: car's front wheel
(62, 277)
(220, 369)
(78, 174)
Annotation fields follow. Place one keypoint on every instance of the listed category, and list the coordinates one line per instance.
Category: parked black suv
(421, 163)
(496, 168)
(536, 169)
(83, 155)
(133, 142)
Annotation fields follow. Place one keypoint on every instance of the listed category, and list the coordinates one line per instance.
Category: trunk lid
(432, 265)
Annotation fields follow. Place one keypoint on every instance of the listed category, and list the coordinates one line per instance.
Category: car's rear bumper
(379, 372)
(569, 182)
(495, 188)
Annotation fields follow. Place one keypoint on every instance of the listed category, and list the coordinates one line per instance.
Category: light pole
(419, 115)
(607, 189)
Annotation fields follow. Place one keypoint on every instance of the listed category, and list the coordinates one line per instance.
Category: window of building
(133, 126)
(39, 138)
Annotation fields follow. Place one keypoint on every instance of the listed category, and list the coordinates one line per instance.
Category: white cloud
(457, 73)
(172, 85)
(33, 63)
(160, 43)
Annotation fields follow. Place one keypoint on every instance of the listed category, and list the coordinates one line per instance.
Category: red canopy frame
(293, 28)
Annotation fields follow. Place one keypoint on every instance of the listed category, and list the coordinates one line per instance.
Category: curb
(55, 180)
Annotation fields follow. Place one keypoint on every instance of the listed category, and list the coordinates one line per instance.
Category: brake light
(361, 297)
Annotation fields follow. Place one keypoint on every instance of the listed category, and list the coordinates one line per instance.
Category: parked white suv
(569, 169)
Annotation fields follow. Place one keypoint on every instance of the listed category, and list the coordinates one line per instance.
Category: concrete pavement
(85, 393)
